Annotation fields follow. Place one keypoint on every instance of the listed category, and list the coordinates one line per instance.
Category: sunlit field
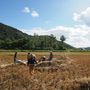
(69, 71)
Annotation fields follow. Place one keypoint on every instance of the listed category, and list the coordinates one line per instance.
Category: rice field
(72, 72)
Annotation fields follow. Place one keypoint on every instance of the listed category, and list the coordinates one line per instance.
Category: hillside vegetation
(12, 38)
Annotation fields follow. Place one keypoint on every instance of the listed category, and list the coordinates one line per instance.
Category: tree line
(35, 43)
(12, 38)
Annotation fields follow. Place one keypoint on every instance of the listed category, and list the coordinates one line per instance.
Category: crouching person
(31, 63)
(43, 58)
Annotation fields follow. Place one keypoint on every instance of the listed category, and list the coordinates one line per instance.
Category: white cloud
(83, 16)
(76, 17)
(76, 36)
(34, 13)
(30, 11)
(26, 10)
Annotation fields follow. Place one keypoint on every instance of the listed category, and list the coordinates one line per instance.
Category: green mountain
(10, 33)
(12, 38)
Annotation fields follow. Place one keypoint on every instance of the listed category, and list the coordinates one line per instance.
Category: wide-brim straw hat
(34, 55)
(44, 56)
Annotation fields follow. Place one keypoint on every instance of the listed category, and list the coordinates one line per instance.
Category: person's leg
(32, 69)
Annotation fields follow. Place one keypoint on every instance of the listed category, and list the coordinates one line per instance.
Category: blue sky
(45, 15)
(54, 12)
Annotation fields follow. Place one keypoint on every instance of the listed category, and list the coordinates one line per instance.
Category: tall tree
(62, 38)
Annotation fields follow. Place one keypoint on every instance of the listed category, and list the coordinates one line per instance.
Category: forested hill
(12, 38)
(10, 33)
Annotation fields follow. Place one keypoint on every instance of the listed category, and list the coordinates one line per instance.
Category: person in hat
(50, 56)
(28, 58)
(43, 58)
(31, 63)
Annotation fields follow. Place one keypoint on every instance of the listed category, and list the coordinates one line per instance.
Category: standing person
(31, 62)
(28, 58)
(15, 57)
(34, 62)
(50, 56)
